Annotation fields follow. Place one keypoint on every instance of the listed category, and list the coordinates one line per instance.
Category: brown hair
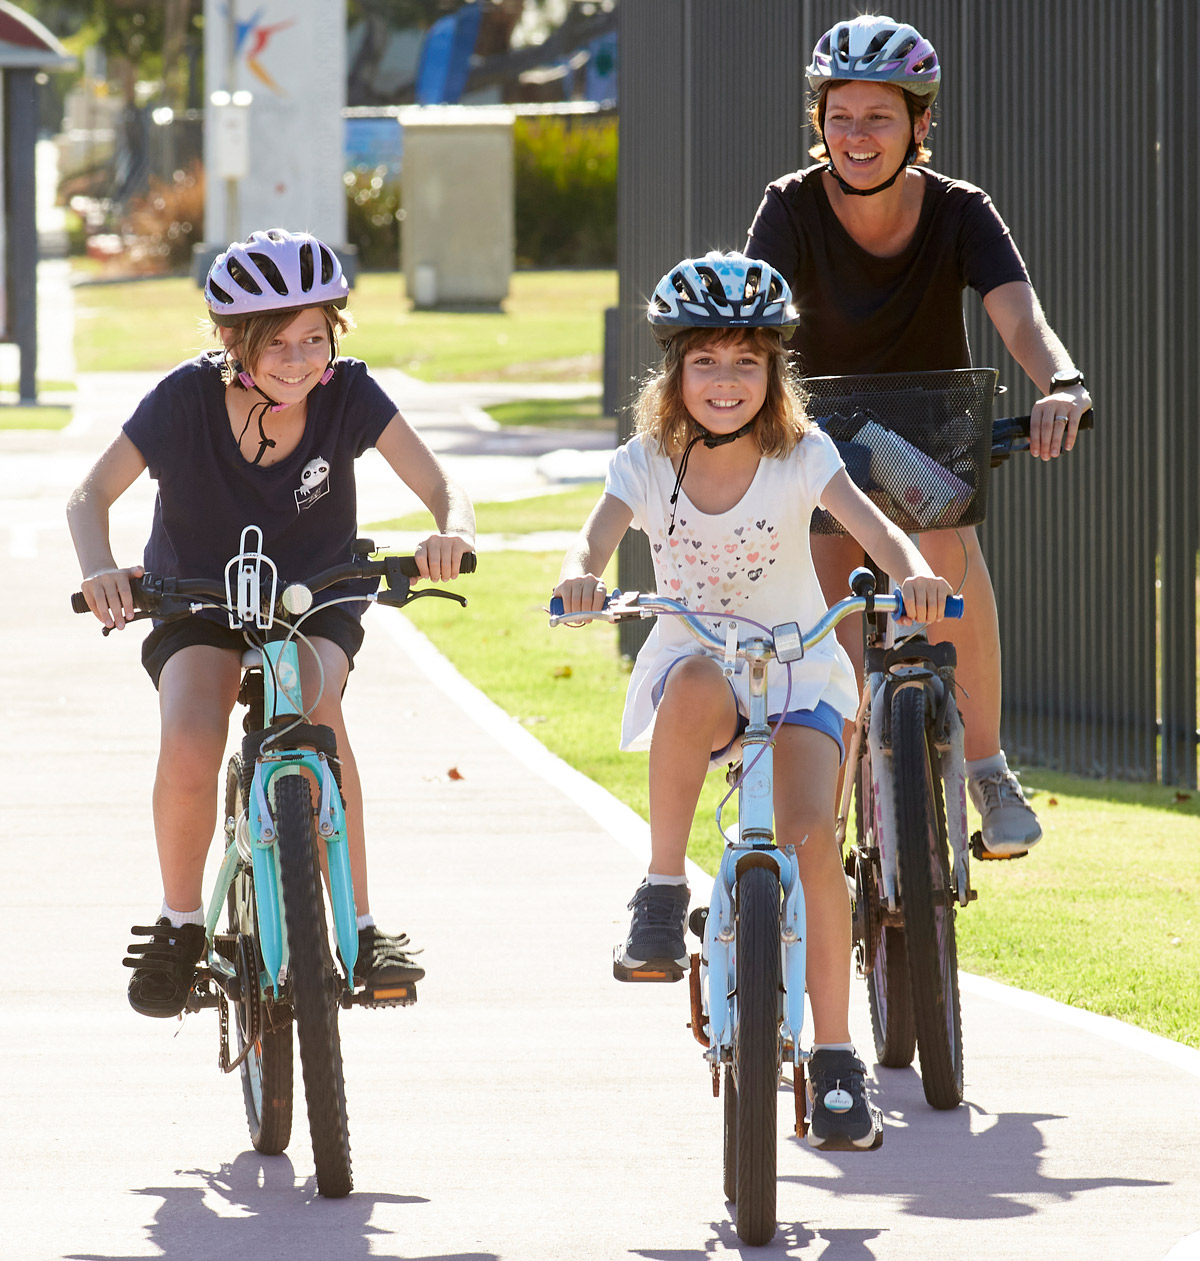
(665, 422)
(249, 340)
(816, 117)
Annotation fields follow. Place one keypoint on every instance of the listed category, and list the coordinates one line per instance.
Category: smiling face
(294, 359)
(724, 384)
(868, 131)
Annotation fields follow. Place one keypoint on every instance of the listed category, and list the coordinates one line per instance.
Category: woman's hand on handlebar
(1054, 421)
(110, 596)
(439, 557)
(924, 599)
(584, 594)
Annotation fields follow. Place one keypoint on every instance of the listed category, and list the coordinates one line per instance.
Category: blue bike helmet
(721, 291)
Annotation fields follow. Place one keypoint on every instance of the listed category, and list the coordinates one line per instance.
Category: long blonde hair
(661, 417)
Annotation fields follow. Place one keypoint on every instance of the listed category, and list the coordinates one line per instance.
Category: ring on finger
(1062, 418)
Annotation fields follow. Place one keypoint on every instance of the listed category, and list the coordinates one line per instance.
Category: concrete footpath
(528, 1107)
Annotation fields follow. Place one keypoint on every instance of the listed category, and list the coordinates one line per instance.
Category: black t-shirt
(860, 313)
(208, 491)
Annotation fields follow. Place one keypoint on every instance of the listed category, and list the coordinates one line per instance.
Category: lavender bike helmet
(878, 49)
(721, 291)
(273, 271)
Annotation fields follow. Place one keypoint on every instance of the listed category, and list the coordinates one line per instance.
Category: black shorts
(336, 624)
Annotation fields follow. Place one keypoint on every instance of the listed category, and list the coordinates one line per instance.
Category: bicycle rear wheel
(266, 1072)
(314, 986)
(927, 896)
(889, 994)
(756, 1051)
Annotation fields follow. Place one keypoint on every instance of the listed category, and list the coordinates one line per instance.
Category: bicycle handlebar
(1011, 433)
(787, 640)
(158, 595)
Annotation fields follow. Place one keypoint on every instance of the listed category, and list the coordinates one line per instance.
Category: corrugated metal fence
(1080, 118)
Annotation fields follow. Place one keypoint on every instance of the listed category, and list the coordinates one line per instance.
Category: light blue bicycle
(274, 963)
(747, 984)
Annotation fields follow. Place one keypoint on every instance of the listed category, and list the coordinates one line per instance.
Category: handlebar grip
(78, 603)
(556, 606)
(954, 604)
(408, 565)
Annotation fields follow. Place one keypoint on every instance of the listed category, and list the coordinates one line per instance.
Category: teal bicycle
(275, 963)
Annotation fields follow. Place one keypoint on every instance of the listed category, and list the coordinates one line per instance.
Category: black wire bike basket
(918, 443)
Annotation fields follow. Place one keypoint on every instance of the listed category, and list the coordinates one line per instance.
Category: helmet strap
(710, 440)
(263, 441)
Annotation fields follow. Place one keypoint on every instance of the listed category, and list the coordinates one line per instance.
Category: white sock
(987, 765)
(366, 921)
(652, 877)
(835, 1046)
(179, 918)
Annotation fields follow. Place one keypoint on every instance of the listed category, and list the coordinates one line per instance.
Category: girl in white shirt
(722, 475)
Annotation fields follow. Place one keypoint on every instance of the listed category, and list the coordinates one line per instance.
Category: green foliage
(372, 217)
(565, 172)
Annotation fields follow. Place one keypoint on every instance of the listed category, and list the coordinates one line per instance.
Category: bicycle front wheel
(889, 995)
(314, 986)
(756, 1051)
(266, 1071)
(927, 897)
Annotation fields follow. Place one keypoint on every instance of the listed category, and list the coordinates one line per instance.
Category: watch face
(1062, 380)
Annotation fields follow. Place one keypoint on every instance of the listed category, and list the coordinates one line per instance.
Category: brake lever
(393, 599)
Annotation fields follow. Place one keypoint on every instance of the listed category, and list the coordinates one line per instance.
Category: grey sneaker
(1009, 825)
(843, 1118)
(655, 949)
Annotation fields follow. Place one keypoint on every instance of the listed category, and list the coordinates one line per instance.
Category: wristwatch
(1065, 379)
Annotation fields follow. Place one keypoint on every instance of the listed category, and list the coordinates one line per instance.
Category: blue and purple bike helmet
(880, 50)
(272, 272)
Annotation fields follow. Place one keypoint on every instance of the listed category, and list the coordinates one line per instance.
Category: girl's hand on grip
(924, 599)
(584, 594)
(110, 596)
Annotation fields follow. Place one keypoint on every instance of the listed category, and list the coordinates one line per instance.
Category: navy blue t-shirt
(863, 313)
(208, 491)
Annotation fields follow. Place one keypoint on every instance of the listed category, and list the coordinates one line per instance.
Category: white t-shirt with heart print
(753, 561)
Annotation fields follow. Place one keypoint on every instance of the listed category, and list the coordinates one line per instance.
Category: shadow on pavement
(997, 1161)
(267, 1213)
(792, 1239)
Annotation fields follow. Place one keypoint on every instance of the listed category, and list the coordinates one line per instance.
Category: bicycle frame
(255, 835)
(754, 845)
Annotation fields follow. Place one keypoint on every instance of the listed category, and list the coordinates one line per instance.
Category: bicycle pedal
(396, 994)
(643, 972)
(978, 851)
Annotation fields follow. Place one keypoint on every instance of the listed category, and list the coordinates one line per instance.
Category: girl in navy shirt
(264, 431)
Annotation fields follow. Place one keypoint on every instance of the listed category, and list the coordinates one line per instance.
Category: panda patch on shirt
(314, 483)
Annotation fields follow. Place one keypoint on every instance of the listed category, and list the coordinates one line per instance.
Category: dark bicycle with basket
(921, 445)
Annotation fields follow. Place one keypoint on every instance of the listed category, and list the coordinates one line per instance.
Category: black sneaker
(843, 1118)
(385, 961)
(164, 967)
(654, 949)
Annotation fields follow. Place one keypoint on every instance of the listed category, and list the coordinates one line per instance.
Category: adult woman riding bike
(878, 252)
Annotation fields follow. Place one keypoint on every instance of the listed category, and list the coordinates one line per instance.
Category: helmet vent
(306, 267)
(219, 293)
(240, 276)
(326, 266)
(271, 273)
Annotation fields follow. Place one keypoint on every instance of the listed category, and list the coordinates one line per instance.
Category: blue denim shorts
(823, 718)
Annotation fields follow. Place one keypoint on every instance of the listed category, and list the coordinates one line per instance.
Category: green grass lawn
(40, 417)
(551, 328)
(1104, 913)
(567, 413)
(562, 510)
